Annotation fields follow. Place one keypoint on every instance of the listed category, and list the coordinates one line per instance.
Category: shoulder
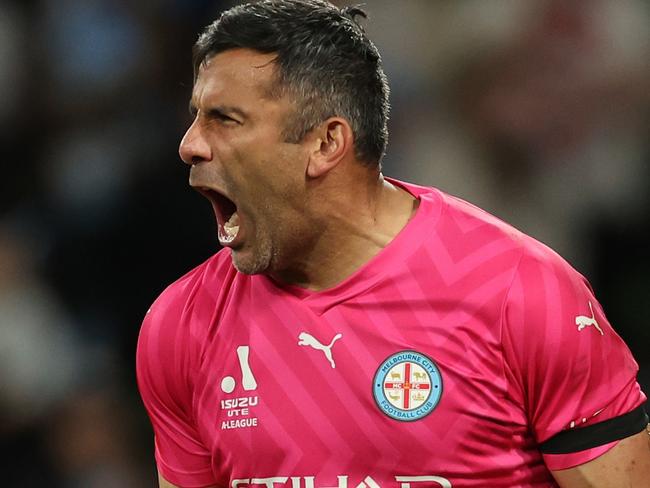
(541, 294)
(479, 250)
(476, 242)
(476, 223)
(172, 323)
(198, 287)
(171, 335)
(460, 219)
(212, 272)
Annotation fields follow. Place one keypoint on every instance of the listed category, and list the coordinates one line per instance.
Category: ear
(333, 140)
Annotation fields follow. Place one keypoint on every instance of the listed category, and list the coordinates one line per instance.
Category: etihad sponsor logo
(343, 482)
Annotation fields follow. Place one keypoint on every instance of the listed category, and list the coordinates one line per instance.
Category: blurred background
(536, 110)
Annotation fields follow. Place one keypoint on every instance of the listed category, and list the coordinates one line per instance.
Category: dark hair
(324, 59)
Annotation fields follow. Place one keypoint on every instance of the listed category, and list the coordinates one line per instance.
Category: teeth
(231, 228)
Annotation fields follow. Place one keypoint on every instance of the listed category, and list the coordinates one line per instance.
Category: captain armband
(611, 430)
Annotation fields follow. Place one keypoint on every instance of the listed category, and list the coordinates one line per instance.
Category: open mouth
(226, 213)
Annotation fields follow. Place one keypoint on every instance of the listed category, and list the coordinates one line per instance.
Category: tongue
(231, 228)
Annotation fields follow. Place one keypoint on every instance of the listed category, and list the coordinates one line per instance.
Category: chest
(386, 389)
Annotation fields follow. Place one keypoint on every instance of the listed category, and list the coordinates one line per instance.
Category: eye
(221, 117)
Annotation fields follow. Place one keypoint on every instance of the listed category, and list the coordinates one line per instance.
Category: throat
(351, 231)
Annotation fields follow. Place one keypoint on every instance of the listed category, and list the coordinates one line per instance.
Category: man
(358, 331)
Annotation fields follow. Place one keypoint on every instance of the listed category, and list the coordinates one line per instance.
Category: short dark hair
(324, 59)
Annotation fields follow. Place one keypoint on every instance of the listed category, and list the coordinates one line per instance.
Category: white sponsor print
(247, 378)
(306, 339)
(367, 482)
(238, 410)
(583, 321)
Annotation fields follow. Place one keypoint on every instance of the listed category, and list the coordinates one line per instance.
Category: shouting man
(358, 331)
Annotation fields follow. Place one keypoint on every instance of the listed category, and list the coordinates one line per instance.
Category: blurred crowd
(536, 110)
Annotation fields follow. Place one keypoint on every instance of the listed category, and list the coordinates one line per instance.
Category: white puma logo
(582, 321)
(306, 339)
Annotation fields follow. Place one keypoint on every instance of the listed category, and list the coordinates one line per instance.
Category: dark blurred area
(537, 110)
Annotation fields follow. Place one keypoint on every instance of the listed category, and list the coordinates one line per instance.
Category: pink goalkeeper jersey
(442, 362)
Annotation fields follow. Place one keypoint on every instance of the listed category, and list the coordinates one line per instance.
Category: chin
(252, 262)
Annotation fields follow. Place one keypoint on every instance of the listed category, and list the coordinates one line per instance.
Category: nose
(194, 147)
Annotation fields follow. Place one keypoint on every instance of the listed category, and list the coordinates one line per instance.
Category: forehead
(235, 72)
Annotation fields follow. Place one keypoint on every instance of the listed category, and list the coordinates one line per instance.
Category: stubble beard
(257, 260)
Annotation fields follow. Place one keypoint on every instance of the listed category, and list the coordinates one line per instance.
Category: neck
(353, 227)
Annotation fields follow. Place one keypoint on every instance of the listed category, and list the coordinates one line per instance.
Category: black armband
(582, 438)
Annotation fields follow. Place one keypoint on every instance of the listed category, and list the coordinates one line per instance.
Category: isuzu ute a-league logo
(407, 386)
(239, 412)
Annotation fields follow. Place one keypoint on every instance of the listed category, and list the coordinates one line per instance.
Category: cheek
(268, 176)
(289, 168)
(223, 147)
(275, 174)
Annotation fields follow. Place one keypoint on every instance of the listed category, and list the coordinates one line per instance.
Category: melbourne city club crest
(407, 386)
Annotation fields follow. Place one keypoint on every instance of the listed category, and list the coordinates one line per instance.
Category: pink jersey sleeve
(567, 366)
(164, 366)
